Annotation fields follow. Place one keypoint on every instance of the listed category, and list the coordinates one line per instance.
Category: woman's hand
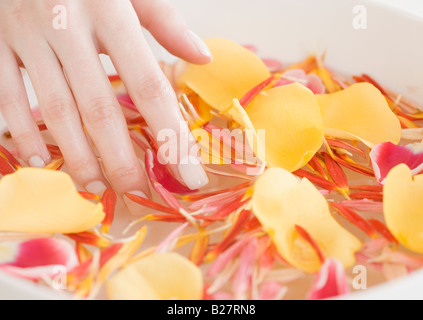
(74, 92)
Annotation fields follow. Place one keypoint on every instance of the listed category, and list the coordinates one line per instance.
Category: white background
(413, 6)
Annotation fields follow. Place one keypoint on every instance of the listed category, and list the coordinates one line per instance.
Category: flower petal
(233, 72)
(402, 206)
(290, 116)
(37, 258)
(281, 202)
(330, 282)
(161, 276)
(386, 156)
(45, 201)
(359, 112)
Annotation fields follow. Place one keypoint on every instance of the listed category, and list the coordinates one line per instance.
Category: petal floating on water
(330, 282)
(359, 112)
(290, 119)
(45, 201)
(281, 202)
(403, 207)
(386, 156)
(159, 276)
(234, 71)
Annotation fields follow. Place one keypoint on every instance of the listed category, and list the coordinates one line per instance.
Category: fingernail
(192, 173)
(200, 44)
(36, 162)
(139, 194)
(96, 187)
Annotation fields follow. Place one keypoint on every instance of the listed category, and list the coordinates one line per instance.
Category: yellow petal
(238, 114)
(359, 112)
(45, 201)
(293, 127)
(233, 72)
(403, 207)
(281, 201)
(159, 276)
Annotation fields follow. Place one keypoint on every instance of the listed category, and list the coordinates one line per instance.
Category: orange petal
(45, 201)
(281, 202)
(290, 118)
(359, 112)
(159, 276)
(402, 206)
(234, 71)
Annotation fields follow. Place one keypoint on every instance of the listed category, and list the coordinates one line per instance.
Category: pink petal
(37, 258)
(311, 81)
(273, 65)
(331, 281)
(364, 205)
(160, 173)
(315, 84)
(36, 114)
(386, 156)
(225, 257)
(217, 201)
(272, 291)
(171, 237)
(250, 47)
(243, 275)
(221, 296)
(126, 101)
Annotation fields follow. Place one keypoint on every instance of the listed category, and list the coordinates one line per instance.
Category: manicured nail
(200, 44)
(36, 162)
(96, 187)
(139, 194)
(192, 173)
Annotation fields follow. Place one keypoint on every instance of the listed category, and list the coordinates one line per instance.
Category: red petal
(240, 223)
(109, 204)
(9, 157)
(316, 179)
(151, 204)
(307, 237)
(337, 174)
(35, 259)
(161, 174)
(250, 95)
(126, 101)
(330, 282)
(355, 218)
(383, 230)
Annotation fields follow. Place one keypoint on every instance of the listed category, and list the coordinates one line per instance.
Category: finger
(62, 118)
(170, 30)
(16, 111)
(155, 98)
(102, 116)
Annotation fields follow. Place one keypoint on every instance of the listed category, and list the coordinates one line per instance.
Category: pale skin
(74, 92)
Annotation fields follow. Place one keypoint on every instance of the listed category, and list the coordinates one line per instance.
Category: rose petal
(359, 112)
(386, 156)
(233, 72)
(45, 201)
(330, 282)
(281, 202)
(37, 258)
(402, 206)
(161, 276)
(290, 118)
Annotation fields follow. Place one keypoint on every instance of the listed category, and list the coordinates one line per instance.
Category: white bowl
(390, 49)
